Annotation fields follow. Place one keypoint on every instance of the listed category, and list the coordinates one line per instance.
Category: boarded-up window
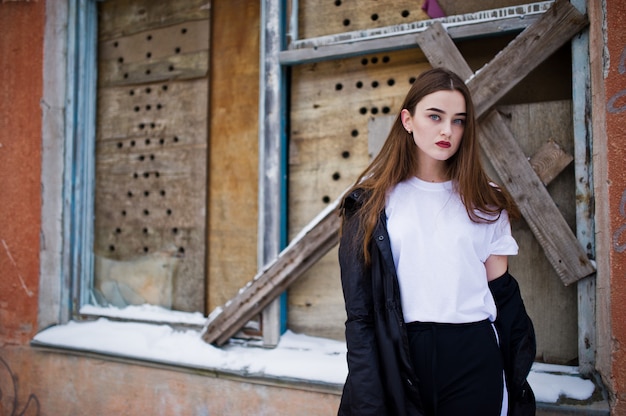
(333, 106)
(151, 153)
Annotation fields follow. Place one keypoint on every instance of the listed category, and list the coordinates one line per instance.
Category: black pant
(459, 368)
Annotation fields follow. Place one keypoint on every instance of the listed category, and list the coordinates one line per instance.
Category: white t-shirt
(439, 253)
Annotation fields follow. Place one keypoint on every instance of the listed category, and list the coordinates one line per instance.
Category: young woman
(436, 324)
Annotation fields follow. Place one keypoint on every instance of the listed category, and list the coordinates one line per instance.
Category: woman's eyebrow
(437, 110)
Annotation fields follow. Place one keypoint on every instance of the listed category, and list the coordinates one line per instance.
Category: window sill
(299, 361)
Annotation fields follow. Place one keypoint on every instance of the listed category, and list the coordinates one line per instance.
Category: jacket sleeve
(363, 392)
(517, 343)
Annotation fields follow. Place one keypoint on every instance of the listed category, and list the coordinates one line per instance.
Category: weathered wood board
(233, 164)
(151, 155)
(323, 17)
(118, 18)
(552, 305)
(454, 7)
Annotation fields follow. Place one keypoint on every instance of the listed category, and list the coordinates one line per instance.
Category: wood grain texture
(293, 261)
(151, 156)
(233, 150)
(121, 18)
(320, 17)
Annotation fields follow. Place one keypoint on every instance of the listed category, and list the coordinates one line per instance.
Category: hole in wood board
(391, 82)
(345, 154)
(374, 60)
(405, 13)
(412, 80)
(364, 61)
(374, 84)
(363, 110)
(359, 84)
(326, 199)
(336, 176)
(354, 133)
(374, 17)
(346, 22)
(374, 110)
(386, 110)
(338, 87)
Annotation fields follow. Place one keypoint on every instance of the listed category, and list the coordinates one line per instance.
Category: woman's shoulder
(353, 200)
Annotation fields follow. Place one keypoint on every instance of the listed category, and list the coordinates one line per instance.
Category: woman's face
(437, 125)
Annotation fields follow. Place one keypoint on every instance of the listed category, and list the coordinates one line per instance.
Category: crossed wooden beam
(488, 85)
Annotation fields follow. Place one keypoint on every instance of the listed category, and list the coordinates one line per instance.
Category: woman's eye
(459, 121)
(435, 117)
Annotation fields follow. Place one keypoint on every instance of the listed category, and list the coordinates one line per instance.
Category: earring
(409, 131)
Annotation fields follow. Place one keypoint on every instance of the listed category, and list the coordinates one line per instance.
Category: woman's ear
(407, 123)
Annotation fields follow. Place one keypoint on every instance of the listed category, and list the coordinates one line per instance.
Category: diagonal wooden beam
(313, 242)
(548, 34)
(551, 230)
(558, 25)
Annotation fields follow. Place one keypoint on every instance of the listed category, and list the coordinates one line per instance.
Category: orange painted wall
(615, 90)
(21, 63)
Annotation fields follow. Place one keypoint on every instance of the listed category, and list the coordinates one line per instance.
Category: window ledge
(299, 361)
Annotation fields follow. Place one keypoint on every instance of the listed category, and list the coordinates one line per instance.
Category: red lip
(443, 144)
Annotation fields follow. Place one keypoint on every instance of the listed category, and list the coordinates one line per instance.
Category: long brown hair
(397, 161)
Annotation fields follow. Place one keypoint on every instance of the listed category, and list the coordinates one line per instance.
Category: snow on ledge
(297, 357)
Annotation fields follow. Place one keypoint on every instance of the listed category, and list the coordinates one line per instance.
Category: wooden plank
(119, 18)
(175, 52)
(304, 251)
(549, 161)
(539, 41)
(557, 336)
(562, 248)
(272, 150)
(402, 36)
(585, 222)
(541, 214)
(233, 201)
(321, 17)
(151, 158)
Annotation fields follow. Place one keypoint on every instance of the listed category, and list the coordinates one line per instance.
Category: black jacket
(380, 379)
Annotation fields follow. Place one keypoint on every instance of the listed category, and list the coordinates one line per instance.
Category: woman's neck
(436, 173)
